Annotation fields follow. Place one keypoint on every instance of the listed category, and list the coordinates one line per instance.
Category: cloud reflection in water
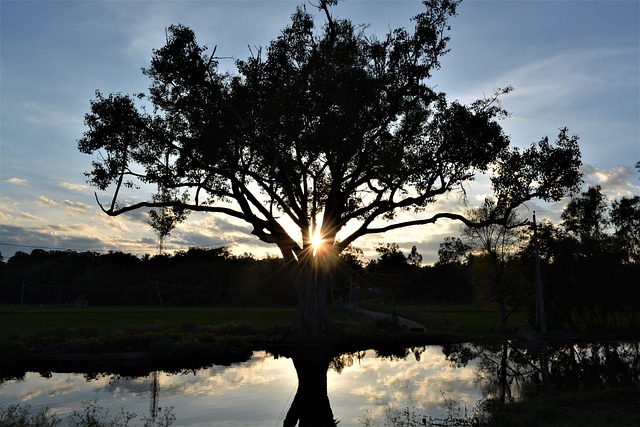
(259, 391)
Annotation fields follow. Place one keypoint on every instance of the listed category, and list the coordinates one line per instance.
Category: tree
(452, 251)
(327, 127)
(390, 256)
(625, 217)
(494, 270)
(586, 218)
(414, 258)
(605, 240)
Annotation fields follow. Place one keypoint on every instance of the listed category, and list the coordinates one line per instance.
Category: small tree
(453, 251)
(327, 127)
(493, 273)
(625, 218)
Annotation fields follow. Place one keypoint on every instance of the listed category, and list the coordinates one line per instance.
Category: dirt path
(409, 324)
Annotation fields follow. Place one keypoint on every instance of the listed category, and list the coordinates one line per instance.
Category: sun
(316, 242)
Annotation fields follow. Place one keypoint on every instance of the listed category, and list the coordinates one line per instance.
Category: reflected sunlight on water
(259, 392)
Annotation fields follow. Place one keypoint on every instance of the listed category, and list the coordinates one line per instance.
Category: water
(261, 391)
(258, 392)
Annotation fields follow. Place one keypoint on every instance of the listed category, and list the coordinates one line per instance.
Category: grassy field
(168, 336)
(39, 319)
(464, 318)
(436, 318)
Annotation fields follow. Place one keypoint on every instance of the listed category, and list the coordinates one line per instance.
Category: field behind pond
(464, 318)
(41, 319)
(440, 319)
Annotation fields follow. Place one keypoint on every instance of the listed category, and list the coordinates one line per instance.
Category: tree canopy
(327, 127)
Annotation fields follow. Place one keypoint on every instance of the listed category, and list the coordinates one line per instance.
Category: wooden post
(159, 296)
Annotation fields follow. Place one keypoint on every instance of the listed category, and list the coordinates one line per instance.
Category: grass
(37, 334)
(461, 318)
(41, 319)
(613, 407)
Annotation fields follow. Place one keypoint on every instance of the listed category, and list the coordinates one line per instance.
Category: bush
(91, 415)
(19, 416)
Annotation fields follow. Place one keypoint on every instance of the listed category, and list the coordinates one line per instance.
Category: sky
(573, 64)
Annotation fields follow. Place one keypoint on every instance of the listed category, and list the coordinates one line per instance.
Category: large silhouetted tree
(327, 126)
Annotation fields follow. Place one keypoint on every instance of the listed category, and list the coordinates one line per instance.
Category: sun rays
(317, 243)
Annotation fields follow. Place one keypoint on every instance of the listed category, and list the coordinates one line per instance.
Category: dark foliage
(197, 277)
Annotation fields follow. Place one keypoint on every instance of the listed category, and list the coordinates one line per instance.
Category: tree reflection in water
(507, 371)
(310, 406)
(512, 370)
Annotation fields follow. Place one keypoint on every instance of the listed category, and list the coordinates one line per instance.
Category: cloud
(77, 237)
(19, 238)
(615, 182)
(114, 223)
(76, 207)
(66, 228)
(207, 230)
(17, 181)
(42, 200)
(49, 116)
(28, 216)
(565, 77)
(72, 186)
(73, 207)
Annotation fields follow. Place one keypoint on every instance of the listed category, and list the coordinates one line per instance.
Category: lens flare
(316, 242)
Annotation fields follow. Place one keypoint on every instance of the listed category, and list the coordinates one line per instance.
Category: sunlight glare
(316, 242)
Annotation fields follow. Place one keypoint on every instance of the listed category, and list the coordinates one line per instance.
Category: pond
(279, 387)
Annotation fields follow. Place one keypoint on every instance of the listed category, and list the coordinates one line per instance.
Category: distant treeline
(197, 277)
(210, 277)
(590, 273)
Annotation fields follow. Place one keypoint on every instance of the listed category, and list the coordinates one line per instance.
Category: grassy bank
(36, 336)
(613, 407)
(39, 336)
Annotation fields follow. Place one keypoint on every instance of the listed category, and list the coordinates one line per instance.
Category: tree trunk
(312, 281)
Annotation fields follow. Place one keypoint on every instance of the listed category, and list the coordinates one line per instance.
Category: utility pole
(542, 321)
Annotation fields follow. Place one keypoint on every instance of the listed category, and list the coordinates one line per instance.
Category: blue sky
(572, 63)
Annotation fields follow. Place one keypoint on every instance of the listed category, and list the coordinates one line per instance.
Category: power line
(134, 248)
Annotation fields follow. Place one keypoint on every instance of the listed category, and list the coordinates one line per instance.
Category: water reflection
(515, 369)
(310, 406)
(317, 386)
(260, 391)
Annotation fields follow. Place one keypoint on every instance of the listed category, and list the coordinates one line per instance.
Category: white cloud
(5, 217)
(28, 216)
(17, 181)
(72, 186)
(116, 223)
(615, 182)
(563, 78)
(76, 207)
(42, 200)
